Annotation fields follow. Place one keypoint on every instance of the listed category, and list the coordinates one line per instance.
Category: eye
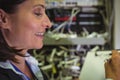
(38, 14)
(39, 11)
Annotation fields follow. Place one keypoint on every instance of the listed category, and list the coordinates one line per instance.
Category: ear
(4, 20)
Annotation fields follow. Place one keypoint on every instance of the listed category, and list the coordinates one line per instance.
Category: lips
(39, 34)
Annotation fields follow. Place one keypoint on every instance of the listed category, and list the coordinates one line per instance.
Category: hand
(112, 66)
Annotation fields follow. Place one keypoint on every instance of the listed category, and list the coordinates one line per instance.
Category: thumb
(108, 70)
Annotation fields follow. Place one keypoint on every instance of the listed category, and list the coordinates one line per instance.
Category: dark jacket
(7, 74)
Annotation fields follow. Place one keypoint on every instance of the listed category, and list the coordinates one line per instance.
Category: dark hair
(7, 52)
(10, 6)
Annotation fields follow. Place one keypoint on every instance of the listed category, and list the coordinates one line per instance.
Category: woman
(22, 27)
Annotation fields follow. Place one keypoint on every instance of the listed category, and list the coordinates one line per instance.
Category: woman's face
(28, 25)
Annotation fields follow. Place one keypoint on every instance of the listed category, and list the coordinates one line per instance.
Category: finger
(115, 53)
(115, 57)
(108, 70)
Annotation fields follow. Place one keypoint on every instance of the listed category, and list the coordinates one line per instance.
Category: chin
(39, 47)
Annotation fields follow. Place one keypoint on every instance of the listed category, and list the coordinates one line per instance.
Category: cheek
(30, 25)
(30, 29)
(23, 31)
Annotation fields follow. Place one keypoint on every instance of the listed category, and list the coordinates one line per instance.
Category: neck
(20, 59)
(22, 66)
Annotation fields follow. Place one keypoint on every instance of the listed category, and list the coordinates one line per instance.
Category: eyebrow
(43, 6)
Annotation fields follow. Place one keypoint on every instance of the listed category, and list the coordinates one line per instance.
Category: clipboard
(93, 67)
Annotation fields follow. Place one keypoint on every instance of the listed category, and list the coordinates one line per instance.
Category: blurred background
(79, 26)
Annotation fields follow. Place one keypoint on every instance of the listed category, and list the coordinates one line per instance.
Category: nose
(47, 22)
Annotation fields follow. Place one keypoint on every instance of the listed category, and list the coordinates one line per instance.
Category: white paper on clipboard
(93, 68)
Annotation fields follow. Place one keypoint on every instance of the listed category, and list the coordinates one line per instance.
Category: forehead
(42, 2)
(33, 3)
